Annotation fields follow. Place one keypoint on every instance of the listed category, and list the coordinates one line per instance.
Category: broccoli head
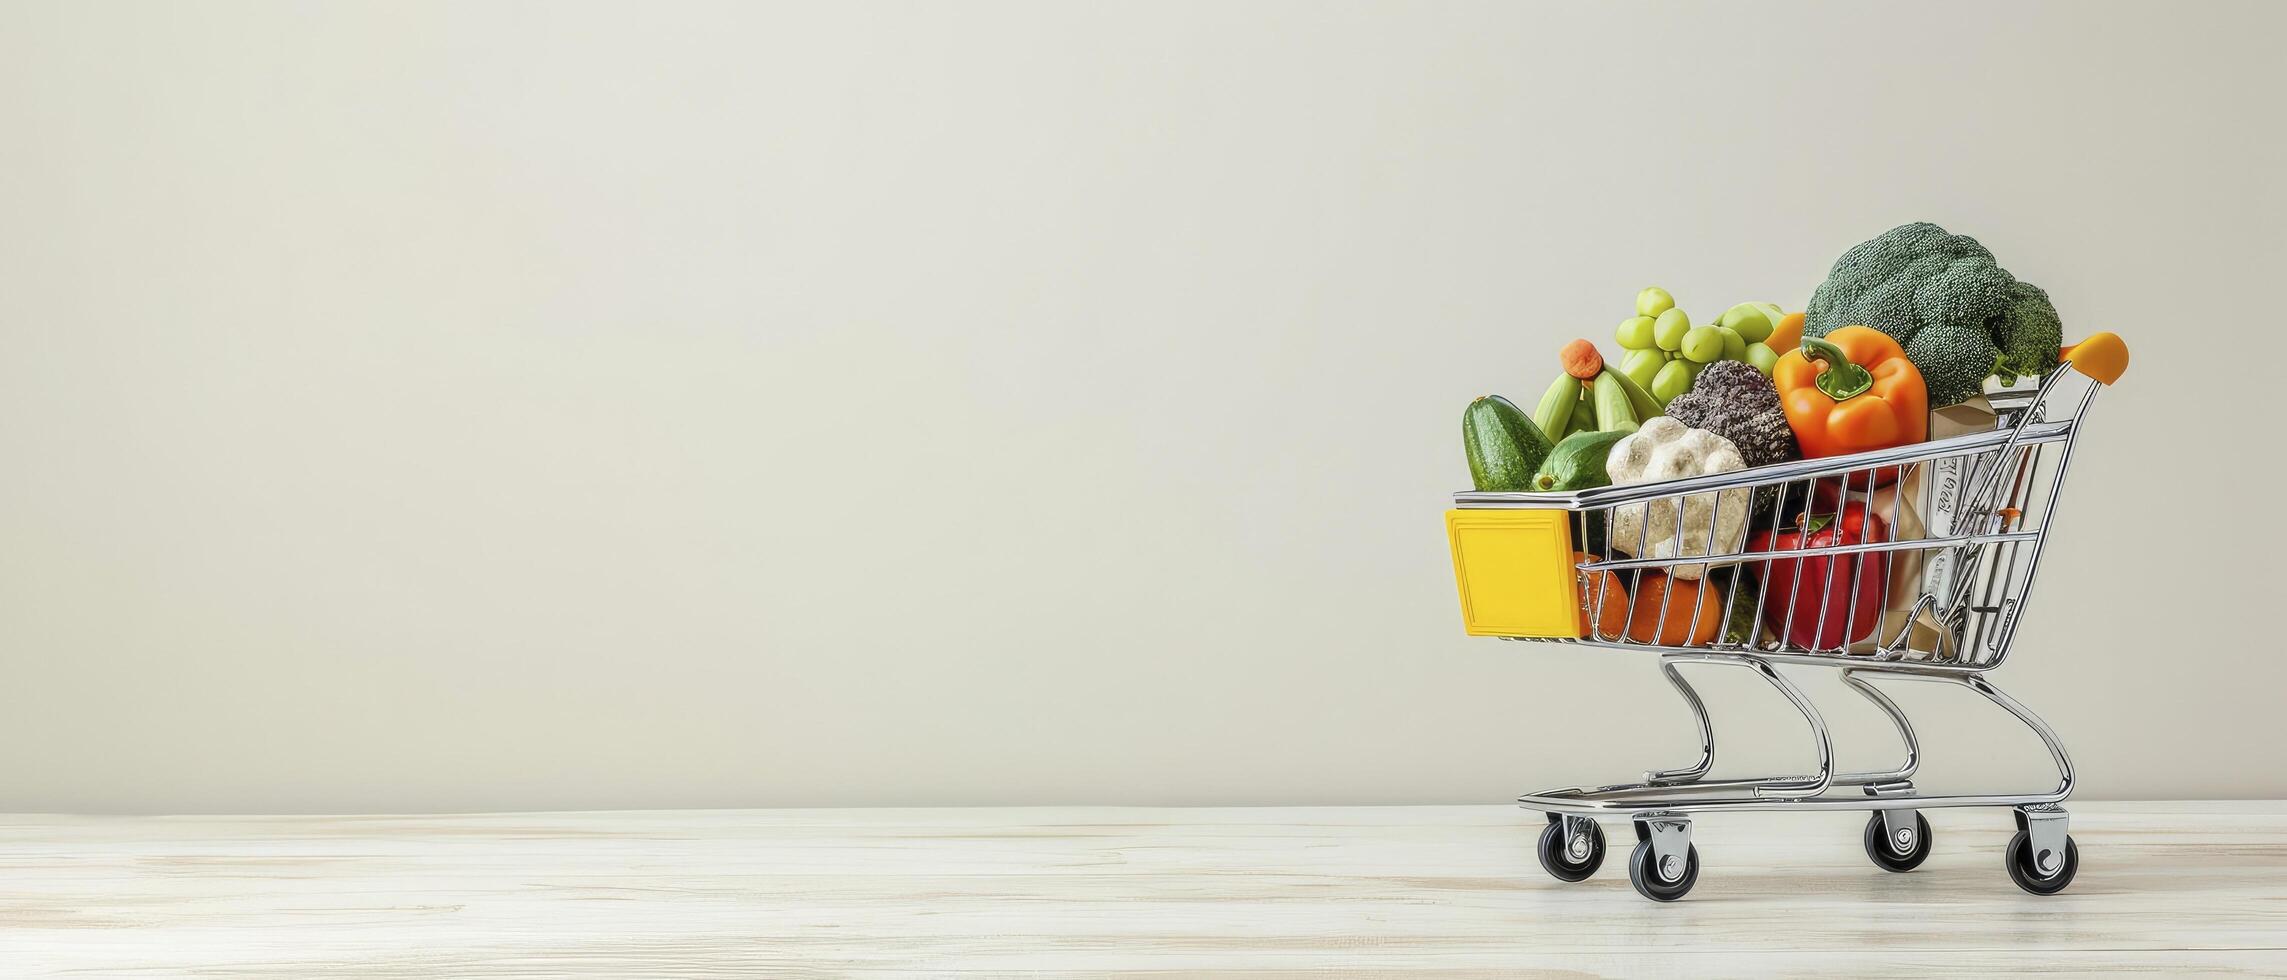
(1960, 316)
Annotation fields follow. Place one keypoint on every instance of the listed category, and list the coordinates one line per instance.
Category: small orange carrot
(1581, 360)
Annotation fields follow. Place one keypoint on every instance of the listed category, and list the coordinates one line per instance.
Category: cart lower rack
(1906, 564)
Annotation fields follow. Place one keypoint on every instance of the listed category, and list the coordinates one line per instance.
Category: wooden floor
(2181, 889)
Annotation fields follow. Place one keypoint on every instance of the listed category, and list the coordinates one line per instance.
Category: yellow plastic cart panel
(1516, 573)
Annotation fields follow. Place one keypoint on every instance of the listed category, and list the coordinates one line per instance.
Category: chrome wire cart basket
(1906, 564)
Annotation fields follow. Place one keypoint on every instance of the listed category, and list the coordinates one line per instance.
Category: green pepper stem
(1842, 380)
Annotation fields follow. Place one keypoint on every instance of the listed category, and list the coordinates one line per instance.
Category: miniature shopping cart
(1948, 533)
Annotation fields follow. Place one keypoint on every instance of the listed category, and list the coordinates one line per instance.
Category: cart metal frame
(1988, 514)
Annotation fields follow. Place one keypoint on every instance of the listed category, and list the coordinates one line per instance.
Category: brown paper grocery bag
(1923, 505)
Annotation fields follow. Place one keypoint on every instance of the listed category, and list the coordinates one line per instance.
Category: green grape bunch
(1665, 352)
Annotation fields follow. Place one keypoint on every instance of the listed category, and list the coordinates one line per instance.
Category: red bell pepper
(1793, 604)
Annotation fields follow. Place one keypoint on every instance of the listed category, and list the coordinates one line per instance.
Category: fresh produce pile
(1912, 320)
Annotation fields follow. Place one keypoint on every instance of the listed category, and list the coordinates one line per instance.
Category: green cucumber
(1577, 463)
(1505, 448)
(1554, 415)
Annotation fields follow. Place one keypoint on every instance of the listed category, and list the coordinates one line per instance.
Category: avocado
(1505, 448)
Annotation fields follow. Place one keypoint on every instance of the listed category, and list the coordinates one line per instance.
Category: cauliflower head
(1700, 525)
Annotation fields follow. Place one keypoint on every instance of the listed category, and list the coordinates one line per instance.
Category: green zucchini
(1504, 447)
(1577, 463)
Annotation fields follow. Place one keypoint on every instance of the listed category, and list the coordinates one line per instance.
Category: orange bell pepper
(1850, 392)
(1788, 335)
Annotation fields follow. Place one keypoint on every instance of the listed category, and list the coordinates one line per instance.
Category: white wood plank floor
(2173, 889)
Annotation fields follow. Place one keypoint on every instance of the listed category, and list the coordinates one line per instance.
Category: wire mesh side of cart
(1927, 555)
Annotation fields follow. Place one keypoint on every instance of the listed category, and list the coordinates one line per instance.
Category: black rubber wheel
(1649, 885)
(1556, 855)
(1885, 852)
(2027, 875)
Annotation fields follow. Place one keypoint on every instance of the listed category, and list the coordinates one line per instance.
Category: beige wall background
(418, 406)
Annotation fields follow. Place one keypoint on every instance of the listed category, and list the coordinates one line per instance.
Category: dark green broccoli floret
(1959, 314)
(1955, 359)
(2029, 335)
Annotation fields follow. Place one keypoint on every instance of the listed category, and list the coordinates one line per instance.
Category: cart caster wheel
(2025, 868)
(1650, 884)
(1885, 851)
(1572, 859)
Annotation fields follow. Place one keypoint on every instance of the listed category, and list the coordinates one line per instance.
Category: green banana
(1584, 416)
(1642, 401)
(1615, 412)
(1555, 411)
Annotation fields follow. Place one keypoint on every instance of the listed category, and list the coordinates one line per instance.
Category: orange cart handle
(2102, 356)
